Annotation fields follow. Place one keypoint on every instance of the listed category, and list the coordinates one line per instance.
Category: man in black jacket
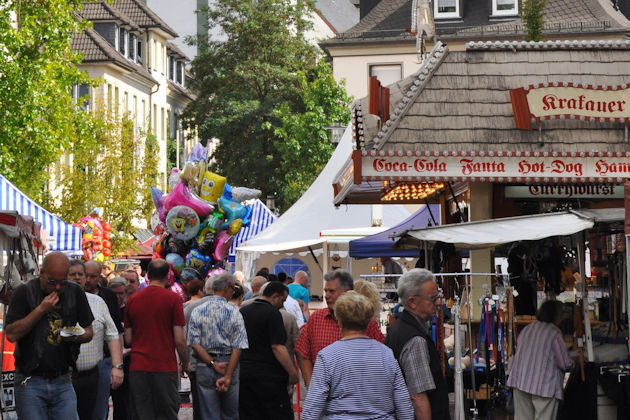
(410, 339)
(37, 314)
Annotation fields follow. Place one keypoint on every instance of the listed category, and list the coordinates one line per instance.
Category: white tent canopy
(299, 229)
(490, 233)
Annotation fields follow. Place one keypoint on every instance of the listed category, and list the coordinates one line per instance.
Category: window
(125, 102)
(446, 9)
(289, 266)
(504, 7)
(162, 130)
(144, 115)
(135, 108)
(155, 119)
(109, 100)
(155, 60)
(132, 47)
(116, 36)
(139, 52)
(180, 72)
(386, 73)
(122, 41)
(163, 55)
(81, 91)
(116, 102)
(171, 68)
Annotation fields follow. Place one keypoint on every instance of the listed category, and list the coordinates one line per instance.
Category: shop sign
(494, 166)
(8, 396)
(570, 101)
(564, 191)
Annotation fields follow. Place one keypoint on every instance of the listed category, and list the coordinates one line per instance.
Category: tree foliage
(534, 18)
(265, 96)
(105, 171)
(38, 116)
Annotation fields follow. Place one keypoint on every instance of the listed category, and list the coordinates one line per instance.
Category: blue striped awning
(261, 218)
(62, 236)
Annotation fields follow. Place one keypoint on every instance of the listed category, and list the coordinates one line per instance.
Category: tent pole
(426, 202)
(585, 314)
(325, 256)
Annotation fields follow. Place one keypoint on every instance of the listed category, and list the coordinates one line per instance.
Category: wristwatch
(118, 366)
(211, 364)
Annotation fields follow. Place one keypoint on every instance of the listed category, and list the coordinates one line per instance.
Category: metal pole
(470, 343)
(459, 385)
(587, 319)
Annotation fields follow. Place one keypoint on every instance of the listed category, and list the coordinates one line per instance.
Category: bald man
(38, 311)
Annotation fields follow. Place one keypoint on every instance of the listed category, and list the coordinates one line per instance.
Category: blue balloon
(200, 262)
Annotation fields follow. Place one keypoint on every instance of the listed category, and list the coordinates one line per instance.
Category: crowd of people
(84, 334)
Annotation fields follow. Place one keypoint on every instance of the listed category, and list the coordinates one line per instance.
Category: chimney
(366, 6)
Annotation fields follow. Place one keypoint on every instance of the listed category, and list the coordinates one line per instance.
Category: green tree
(534, 18)
(265, 96)
(104, 172)
(38, 116)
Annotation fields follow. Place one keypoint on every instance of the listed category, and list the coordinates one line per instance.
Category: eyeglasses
(433, 298)
(54, 282)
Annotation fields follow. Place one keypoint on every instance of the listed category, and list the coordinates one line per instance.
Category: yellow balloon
(212, 186)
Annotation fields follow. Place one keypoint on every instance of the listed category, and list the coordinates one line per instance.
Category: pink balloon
(222, 243)
(181, 196)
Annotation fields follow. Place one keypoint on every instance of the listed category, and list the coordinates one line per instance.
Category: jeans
(37, 398)
(216, 405)
(101, 407)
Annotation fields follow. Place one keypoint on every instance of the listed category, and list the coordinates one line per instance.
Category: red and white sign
(493, 166)
(569, 100)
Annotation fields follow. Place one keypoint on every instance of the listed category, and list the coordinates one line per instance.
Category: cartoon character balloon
(182, 222)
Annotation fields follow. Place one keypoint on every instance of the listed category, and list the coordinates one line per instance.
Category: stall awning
(490, 233)
(382, 244)
(62, 236)
(261, 218)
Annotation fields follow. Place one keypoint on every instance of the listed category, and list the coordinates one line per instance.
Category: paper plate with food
(70, 331)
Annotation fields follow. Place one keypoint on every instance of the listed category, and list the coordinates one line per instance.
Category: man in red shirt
(322, 328)
(154, 326)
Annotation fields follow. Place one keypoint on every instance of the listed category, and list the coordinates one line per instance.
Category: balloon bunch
(96, 238)
(196, 221)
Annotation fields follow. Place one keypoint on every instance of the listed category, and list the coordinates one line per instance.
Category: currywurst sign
(568, 100)
(498, 166)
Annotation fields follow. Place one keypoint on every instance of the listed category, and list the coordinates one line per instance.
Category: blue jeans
(102, 390)
(37, 398)
(215, 405)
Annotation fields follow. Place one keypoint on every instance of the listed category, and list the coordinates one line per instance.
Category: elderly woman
(356, 377)
(538, 367)
(369, 290)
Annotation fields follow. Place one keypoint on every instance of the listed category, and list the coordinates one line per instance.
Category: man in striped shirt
(537, 369)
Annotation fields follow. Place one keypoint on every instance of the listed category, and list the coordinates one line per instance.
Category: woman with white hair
(356, 377)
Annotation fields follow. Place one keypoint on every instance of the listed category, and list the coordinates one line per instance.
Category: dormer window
(133, 40)
(139, 51)
(122, 41)
(171, 68)
(447, 9)
(504, 7)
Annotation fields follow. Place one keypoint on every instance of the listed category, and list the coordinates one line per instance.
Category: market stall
(21, 245)
(579, 226)
(61, 236)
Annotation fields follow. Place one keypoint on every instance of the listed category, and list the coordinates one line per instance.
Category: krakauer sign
(569, 100)
(495, 166)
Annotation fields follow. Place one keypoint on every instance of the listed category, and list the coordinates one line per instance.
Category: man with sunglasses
(38, 311)
(410, 339)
